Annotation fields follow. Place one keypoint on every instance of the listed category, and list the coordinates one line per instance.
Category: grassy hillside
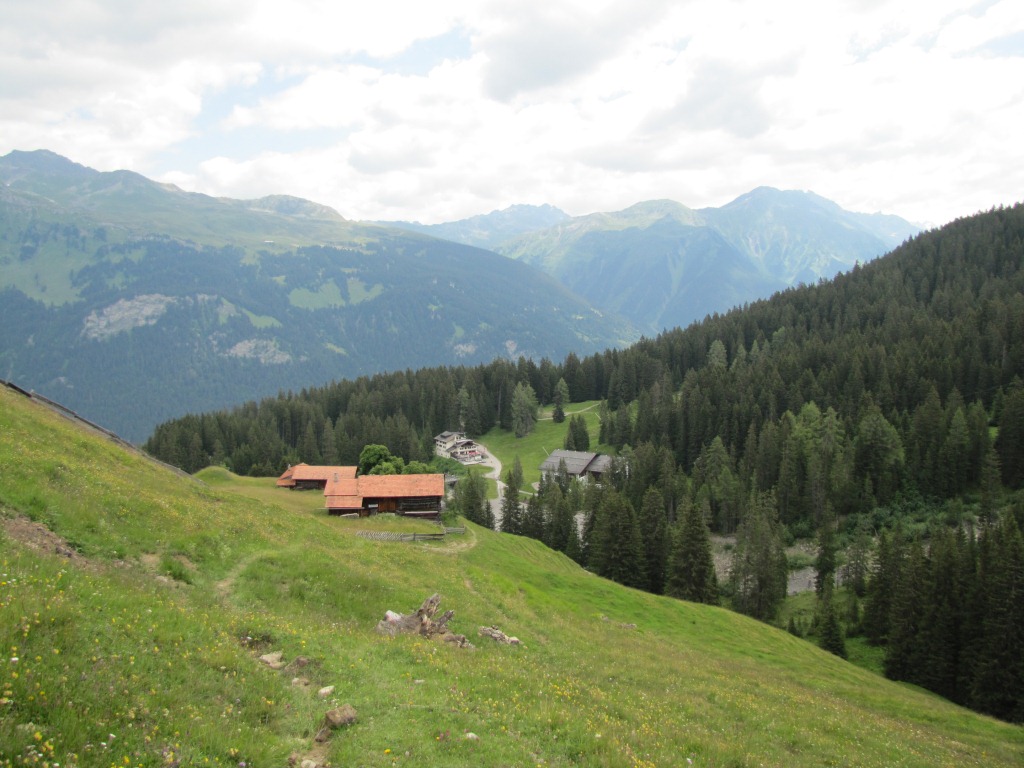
(134, 604)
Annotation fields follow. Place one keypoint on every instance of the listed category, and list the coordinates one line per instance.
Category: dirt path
(454, 543)
(490, 460)
(571, 413)
(224, 586)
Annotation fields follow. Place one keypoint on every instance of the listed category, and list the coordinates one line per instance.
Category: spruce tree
(830, 632)
(511, 506)
(655, 533)
(940, 635)
(468, 499)
(616, 549)
(556, 533)
(1010, 440)
(997, 685)
(560, 399)
(691, 567)
(858, 556)
(759, 569)
(580, 435)
(991, 488)
(904, 655)
(573, 545)
(524, 409)
(533, 518)
(825, 562)
(882, 587)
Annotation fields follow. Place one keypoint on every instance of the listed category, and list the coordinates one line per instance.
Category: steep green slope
(133, 301)
(105, 662)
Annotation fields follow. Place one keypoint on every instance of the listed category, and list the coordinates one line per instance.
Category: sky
(436, 111)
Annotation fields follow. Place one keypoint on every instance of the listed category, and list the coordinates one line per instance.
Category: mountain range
(661, 264)
(133, 301)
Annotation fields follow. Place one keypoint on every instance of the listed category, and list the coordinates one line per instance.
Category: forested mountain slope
(936, 323)
(132, 301)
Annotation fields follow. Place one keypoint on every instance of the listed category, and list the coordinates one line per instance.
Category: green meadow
(135, 603)
(545, 437)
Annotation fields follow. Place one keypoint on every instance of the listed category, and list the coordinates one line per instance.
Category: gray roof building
(577, 463)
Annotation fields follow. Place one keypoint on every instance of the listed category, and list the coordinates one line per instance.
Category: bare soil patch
(38, 537)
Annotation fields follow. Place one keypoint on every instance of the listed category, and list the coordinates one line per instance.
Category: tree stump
(421, 622)
(498, 636)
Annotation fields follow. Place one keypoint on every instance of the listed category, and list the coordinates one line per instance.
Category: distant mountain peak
(488, 230)
(18, 164)
(293, 206)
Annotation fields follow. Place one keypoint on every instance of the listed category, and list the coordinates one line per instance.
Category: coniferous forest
(882, 410)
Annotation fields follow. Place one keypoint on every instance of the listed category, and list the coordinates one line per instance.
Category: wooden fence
(395, 536)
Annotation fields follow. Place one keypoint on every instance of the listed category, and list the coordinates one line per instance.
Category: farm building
(410, 495)
(303, 477)
(580, 464)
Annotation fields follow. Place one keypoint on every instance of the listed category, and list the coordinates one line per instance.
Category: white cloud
(908, 107)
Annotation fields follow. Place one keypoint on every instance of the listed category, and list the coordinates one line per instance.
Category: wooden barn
(409, 495)
(307, 477)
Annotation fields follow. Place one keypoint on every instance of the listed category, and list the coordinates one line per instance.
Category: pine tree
(904, 656)
(577, 438)
(533, 518)
(858, 556)
(559, 519)
(940, 634)
(691, 567)
(655, 534)
(573, 545)
(511, 507)
(991, 490)
(997, 685)
(616, 549)
(878, 455)
(882, 587)
(561, 398)
(309, 449)
(468, 499)
(830, 633)
(825, 562)
(759, 570)
(1010, 440)
(524, 409)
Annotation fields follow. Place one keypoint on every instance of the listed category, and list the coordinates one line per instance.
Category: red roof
(349, 493)
(341, 486)
(309, 472)
(395, 486)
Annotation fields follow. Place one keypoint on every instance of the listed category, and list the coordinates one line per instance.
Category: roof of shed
(307, 472)
(350, 493)
(576, 462)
